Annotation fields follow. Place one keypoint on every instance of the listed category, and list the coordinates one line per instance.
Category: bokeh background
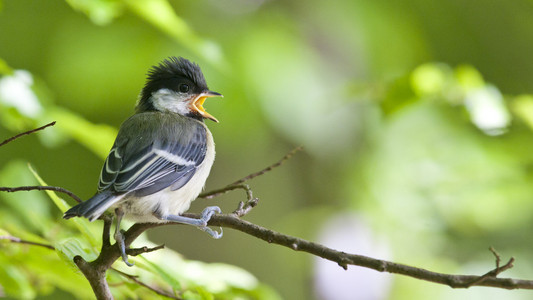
(416, 119)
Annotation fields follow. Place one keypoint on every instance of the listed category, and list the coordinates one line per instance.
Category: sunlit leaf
(161, 15)
(4, 67)
(430, 79)
(101, 12)
(522, 106)
(98, 138)
(30, 209)
(159, 270)
(16, 91)
(69, 248)
(468, 77)
(13, 281)
(80, 223)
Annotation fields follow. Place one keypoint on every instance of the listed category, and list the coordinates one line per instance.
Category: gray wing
(166, 158)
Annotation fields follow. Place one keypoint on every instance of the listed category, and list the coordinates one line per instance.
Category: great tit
(162, 154)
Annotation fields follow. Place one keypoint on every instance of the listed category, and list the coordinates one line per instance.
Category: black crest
(177, 67)
(169, 74)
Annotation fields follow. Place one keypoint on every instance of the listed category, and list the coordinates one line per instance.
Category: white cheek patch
(168, 100)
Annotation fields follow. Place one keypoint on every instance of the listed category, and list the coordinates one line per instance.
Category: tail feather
(94, 207)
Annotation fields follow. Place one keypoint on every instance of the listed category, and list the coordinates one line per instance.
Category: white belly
(168, 202)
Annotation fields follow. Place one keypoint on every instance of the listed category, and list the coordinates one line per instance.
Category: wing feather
(168, 157)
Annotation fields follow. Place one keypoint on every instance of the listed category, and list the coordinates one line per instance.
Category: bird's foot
(119, 238)
(201, 223)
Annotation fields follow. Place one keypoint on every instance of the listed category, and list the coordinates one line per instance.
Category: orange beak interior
(198, 102)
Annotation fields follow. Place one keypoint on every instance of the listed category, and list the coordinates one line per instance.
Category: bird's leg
(119, 237)
(199, 223)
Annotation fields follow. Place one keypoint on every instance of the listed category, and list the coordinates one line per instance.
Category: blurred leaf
(469, 78)
(158, 270)
(13, 281)
(98, 138)
(198, 294)
(101, 12)
(80, 223)
(49, 269)
(28, 209)
(4, 67)
(398, 96)
(487, 109)
(232, 275)
(161, 15)
(430, 79)
(69, 248)
(522, 106)
(59, 202)
(16, 91)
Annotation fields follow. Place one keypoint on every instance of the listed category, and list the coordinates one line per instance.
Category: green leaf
(161, 15)
(430, 79)
(13, 281)
(4, 67)
(161, 272)
(16, 205)
(69, 248)
(204, 294)
(60, 203)
(100, 12)
(96, 137)
(522, 106)
(80, 223)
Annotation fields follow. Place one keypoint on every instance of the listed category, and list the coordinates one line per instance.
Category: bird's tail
(93, 208)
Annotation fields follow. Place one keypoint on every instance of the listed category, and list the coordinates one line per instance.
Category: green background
(415, 118)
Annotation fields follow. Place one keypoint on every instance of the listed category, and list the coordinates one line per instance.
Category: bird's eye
(184, 88)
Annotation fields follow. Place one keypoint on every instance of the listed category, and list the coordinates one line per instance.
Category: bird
(162, 154)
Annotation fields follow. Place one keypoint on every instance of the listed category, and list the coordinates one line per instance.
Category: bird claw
(119, 238)
(213, 233)
(208, 212)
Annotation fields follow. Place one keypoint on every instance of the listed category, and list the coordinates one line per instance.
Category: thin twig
(269, 168)
(14, 239)
(41, 188)
(239, 183)
(26, 133)
(153, 289)
(215, 193)
(137, 251)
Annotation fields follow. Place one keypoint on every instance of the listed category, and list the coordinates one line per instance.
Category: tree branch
(345, 259)
(41, 188)
(26, 133)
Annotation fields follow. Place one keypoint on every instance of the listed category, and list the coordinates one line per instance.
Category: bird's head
(176, 85)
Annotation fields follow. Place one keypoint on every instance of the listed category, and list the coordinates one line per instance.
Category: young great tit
(162, 154)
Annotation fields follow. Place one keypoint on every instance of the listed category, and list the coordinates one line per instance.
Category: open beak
(198, 102)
